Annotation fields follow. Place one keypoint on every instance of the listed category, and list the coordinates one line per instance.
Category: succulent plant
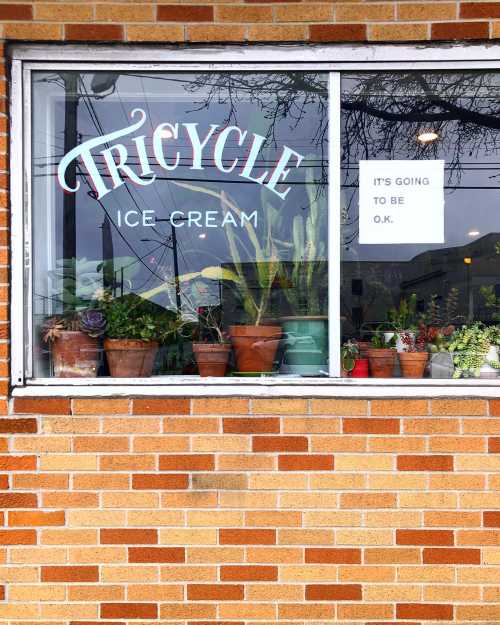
(92, 322)
(52, 328)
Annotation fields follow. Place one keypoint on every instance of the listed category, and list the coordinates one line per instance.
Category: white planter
(487, 371)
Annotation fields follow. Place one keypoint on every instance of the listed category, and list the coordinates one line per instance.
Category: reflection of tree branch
(455, 113)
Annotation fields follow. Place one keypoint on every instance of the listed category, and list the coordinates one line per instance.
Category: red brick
(425, 463)
(247, 537)
(424, 537)
(70, 574)
(306, 463)
(18, 500)
(16, 12)
(326, 555)
(448, 31)
(156, 554)
(491, 519)
(2, 593)
(155, 481)
(215, 592)
(280, 443)
(4, 482)
(18, 537)
(432, 611)
(494, 445)
(15, 426)
(495, 407)
(122, 536)
(129, 610)
(194, 462)
(93, 32)
(337, 32)
(475, 10)
(248, 573)
(42, 405)
(251, 425)
(333, 592)
(371, 426)
(37, 518)
(160, 406)
(185, 13)
(17, 463)
(452, 556)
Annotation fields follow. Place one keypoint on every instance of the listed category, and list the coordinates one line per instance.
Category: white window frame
(330, 58)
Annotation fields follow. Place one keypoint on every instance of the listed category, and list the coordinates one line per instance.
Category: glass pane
(420, 224)
(179, 224)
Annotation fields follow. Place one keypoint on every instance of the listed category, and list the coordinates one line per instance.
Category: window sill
(185, 386)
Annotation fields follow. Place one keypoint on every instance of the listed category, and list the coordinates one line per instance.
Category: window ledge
(264, 387)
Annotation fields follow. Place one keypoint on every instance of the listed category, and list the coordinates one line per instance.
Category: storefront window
(179, 224)
(421, 223)
(185, 220)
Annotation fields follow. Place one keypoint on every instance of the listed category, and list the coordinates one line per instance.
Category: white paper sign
(401, 201)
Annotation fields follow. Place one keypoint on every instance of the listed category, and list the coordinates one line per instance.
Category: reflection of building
(369, 288)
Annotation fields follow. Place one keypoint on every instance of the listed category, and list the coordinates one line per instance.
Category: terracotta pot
(413, 364)
(255, 347)
(130, 358)
(360, 368)
(381, 362)
(364, 346)
(212, 358)
(75, 355)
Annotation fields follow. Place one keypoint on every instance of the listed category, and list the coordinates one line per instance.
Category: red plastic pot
(360, 368)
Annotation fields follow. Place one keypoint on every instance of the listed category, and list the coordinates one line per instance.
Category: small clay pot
(130, 358)
(212, 358)
(255, 347)
(75, 355)
(381, 362)
(413, 364)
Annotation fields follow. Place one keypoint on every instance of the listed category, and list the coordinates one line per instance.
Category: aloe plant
(255, 301)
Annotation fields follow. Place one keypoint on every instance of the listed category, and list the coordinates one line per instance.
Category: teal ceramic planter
(305, 345)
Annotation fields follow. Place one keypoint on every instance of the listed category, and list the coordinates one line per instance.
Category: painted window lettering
(116, 157)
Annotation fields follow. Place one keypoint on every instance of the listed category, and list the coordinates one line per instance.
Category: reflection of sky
(170, 101)
(471, 155)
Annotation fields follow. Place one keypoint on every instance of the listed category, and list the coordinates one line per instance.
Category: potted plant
(74, 340)
(352, 365)
(256, 341)
(302, 279)
(212, 352)
(135, 328)
(471, 346)
(414, 356)
(440, 322)
(382, 355)
(403, 319)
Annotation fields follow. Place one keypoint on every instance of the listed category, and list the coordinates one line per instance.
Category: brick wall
(250, 20)
(230, 510)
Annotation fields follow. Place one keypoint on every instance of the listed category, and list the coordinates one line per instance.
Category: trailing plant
(470, 345)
